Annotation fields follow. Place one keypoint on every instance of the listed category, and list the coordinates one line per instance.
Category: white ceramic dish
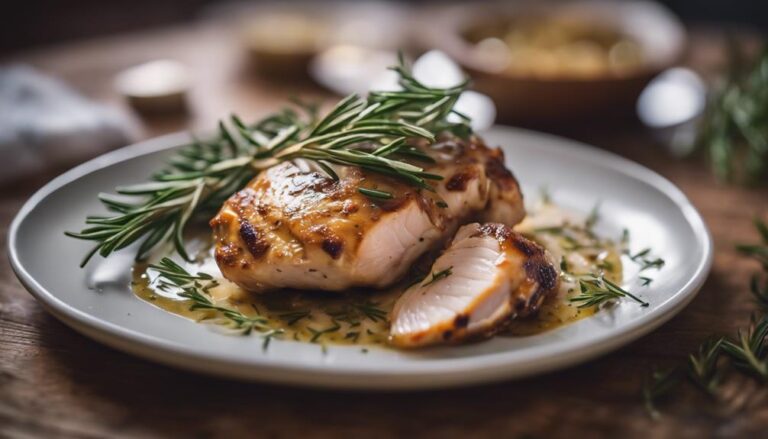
(97, 301)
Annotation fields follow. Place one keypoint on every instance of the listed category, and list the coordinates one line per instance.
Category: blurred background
(79, 78)
(40, 22)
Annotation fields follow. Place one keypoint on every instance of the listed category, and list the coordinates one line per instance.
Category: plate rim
(457, 372)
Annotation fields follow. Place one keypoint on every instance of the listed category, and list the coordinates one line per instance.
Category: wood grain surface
(57, 383)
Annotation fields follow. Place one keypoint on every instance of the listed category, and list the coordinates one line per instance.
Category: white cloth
(45, 123)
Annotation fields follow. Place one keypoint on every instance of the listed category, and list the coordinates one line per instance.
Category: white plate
(656, 213)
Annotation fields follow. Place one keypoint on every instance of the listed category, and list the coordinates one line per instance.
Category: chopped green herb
(171, 276)
(353, 313)
(644, 262)
(316, 334)
(442, 274)
(625, 237)
(593, 218)
(370, 311)
(292, 317)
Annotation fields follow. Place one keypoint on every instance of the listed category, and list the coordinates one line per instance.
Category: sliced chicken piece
(487, 276)
(294, 227)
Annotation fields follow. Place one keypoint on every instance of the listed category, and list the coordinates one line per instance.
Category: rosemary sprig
(442, 274)
(195, 287)
(734, 129)
(371, 133)
(703, 365)
(759, 251)
(749, 350)
(597, 290)
(658, 385)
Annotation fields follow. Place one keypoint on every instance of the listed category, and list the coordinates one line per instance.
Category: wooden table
(57, 383)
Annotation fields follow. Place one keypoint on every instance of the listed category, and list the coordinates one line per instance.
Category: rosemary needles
(703, 365)
(758, 284)
(749, 349)
(709, 366)
(758, 251)
(735, 127)
(195, 287)
(596, 290)
(370, 133)
(436, 276)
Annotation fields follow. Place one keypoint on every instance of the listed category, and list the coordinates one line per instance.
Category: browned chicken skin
(295, 227)
(492, 274)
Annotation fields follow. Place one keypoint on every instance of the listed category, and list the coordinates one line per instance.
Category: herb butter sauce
(361, 316)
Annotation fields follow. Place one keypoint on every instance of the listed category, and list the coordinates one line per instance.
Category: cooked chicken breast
(488, 275)
(294, 227)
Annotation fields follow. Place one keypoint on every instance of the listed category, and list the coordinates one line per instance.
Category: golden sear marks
(541, 275)
(459, 180)
(584, 252)
(297, 215)
(554, 310)
(253, 239)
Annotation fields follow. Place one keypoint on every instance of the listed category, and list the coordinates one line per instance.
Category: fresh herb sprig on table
(370, 133)
(195, 288)
(734, 131)
(748, 352)
(703, 365)
(758, 251)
